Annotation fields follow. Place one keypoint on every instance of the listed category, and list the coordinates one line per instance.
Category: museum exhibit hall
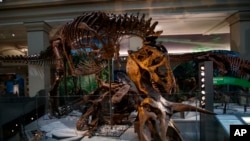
(124, 70)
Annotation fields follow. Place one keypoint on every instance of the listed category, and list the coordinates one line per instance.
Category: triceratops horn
(180, 107)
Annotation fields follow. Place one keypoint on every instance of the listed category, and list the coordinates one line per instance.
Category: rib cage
(107, 25)
(230, 65)
(236, 66)
(122, 24)
(101, 31)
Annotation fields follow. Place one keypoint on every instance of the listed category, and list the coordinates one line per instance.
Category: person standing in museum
(9, 85)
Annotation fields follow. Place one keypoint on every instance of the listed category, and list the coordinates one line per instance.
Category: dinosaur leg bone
(144, 115)
(151, 109)
(54, 101)
(69, 60)
(59, 58)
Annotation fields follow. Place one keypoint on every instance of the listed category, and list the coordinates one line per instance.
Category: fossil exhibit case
(98, 94)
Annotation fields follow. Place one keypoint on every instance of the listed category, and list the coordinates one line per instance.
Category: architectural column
(38, 40)
(240, 33)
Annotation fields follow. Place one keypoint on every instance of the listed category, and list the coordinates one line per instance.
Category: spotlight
(202, 67)
(203, 80)
(202, 85)
(206, 84)
(202, 73)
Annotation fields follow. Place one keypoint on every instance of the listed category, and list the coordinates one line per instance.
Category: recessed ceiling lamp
(24, 50)
(13, 34)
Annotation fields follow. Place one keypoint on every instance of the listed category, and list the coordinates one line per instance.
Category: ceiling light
(24, 49)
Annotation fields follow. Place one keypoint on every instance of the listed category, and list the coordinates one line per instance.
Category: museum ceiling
(189, 26)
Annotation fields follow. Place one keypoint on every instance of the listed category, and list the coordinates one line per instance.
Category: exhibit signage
(231, 81)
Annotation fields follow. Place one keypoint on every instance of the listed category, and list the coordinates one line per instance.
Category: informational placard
(226, 80)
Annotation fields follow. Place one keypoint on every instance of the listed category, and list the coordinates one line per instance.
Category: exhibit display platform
(64, 128)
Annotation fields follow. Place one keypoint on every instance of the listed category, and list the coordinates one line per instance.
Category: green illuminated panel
(231, 81)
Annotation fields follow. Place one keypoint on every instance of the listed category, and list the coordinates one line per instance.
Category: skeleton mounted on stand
(145, 68)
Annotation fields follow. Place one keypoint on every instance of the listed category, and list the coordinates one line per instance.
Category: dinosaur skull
(150, 62)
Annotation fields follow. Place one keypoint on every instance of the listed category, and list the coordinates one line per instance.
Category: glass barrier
(29, 118)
